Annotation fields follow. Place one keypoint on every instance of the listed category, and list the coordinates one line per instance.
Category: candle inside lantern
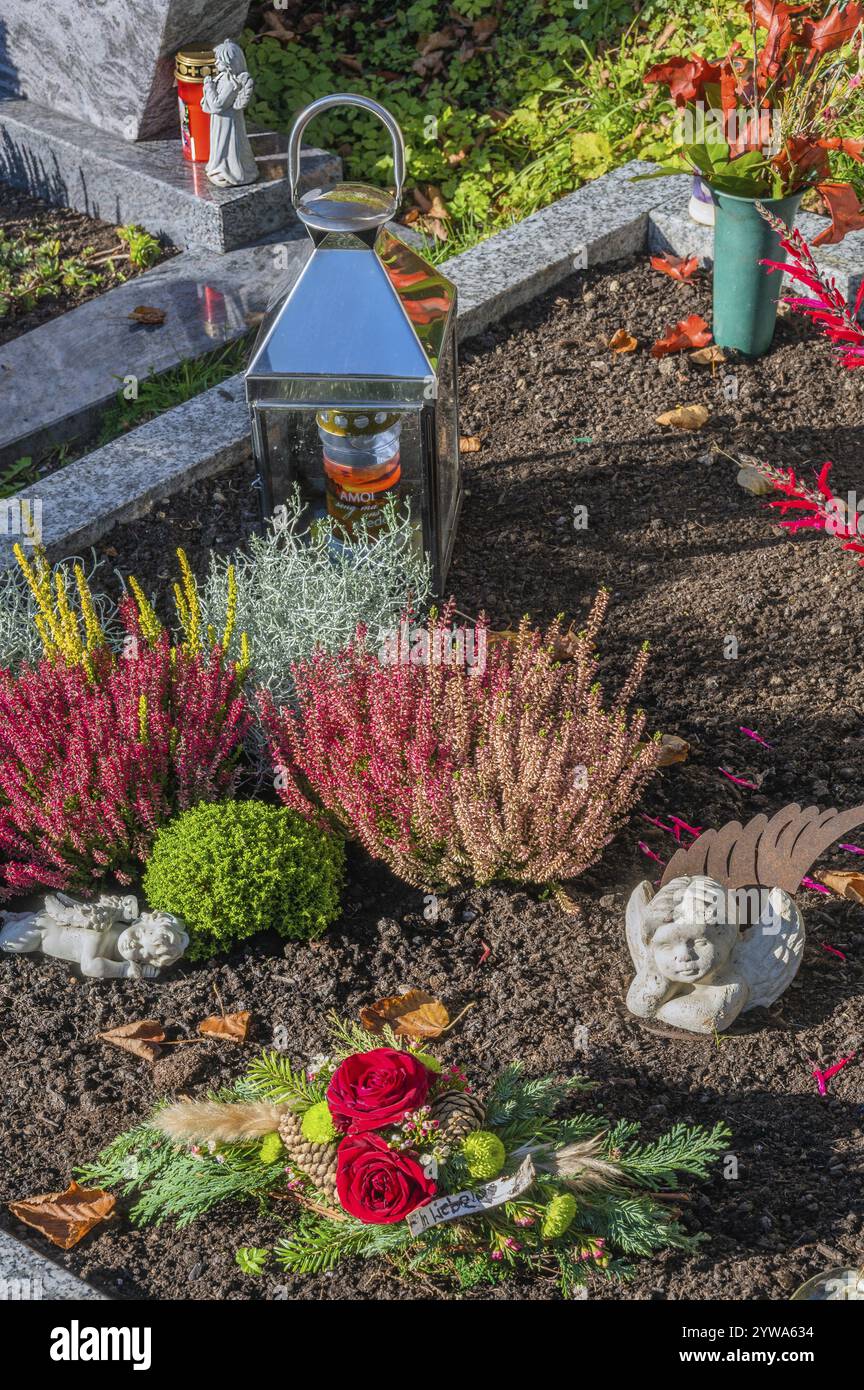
(361, 463)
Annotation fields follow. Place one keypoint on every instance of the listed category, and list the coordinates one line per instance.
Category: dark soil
(691, 560)
(22, 215)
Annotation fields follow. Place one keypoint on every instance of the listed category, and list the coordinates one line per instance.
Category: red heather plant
(813, 508)
(508, 770)
(825, 305)
(95, 757)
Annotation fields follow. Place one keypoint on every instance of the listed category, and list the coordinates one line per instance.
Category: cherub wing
(638, 901)
(768, 955)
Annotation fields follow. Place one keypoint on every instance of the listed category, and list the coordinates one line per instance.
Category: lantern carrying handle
(344, 99)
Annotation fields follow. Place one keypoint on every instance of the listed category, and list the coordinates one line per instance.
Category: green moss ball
(271, 1149)
(484, 1154)
(235, 868)
(317, 1124)
(558, 1215)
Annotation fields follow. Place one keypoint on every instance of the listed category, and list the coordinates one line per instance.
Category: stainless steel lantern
(352, 382)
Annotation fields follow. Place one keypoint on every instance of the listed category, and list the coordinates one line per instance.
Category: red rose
(379, 1185)
(373, 1089)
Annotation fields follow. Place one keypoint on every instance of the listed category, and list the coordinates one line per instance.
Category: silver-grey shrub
(298, 589)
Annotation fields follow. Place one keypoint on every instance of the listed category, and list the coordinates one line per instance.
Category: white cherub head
(689, 930)
(156, 939)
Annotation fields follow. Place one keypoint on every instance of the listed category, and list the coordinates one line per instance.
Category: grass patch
(505, 106)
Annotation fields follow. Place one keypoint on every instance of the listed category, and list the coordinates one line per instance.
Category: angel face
(688, 929)
(157, 939)
(684, 953)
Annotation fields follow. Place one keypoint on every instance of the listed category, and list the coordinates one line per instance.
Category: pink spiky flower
(824, 305)
(93, 761)
(515, 771)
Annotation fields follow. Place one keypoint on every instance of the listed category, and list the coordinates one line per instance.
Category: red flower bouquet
(428, 1176)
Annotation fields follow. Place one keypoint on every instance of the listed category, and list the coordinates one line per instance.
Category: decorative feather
(578, 1164)
(219, 1122)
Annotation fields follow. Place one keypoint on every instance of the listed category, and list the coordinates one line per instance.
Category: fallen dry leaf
(142, 1038)
(849, 885)
(65, 1217)
(145, 313)
(692, 332)
(231, 1027)
(672, 750)
(622, 341)
(685, 417)
(470, 443)
(683, 268)
(708, 356)
(412, 1015)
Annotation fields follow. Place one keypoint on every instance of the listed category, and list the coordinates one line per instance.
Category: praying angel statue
(225, 98)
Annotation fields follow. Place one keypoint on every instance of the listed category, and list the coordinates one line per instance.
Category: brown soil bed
(690, 559)
(22, 215)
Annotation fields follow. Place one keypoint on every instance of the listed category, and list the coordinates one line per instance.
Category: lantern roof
(360, 323)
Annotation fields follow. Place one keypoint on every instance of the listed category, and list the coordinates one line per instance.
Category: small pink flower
(496, 1255)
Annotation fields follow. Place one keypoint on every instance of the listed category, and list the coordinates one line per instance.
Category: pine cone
(316, 1161)
(457, 1114)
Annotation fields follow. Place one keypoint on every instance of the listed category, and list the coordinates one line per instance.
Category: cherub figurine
(695, 969)
(225, 98)
(723, 934)
(108, 939)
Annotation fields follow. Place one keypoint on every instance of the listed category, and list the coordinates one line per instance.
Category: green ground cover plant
(504, 107)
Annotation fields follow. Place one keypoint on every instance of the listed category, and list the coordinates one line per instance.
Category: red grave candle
(191, 66)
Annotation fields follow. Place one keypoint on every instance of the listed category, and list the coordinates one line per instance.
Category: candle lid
(194, 64)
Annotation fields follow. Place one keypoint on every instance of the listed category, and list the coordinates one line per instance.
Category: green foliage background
(569, 80)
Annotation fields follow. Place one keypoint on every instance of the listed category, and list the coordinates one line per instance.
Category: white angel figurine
(225, 98)
(695, 968)
(108, 939)
(723, 934)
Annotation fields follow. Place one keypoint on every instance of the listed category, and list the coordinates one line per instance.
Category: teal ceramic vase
(745, 293)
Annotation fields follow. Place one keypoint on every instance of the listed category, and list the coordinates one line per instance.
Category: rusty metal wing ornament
(775, 853)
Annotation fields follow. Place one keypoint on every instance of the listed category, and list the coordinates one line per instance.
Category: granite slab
(26, 1276)
(109, 62)
(55, 379)
(602, 221)
(72, 164)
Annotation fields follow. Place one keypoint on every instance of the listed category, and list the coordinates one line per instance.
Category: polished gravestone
(76, 165)
(108, 62)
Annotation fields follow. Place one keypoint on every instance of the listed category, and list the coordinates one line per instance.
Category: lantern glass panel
(298, 451)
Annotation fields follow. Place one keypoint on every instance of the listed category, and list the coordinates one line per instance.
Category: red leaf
(846, 216)
(834, 30)
(692, 332)
(685, 77)
(678, 267)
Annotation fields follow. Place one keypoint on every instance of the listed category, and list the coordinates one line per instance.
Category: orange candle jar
(191, 66)
(361, 463)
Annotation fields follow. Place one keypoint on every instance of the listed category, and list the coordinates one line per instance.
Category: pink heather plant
(93, 762)
(450, 773)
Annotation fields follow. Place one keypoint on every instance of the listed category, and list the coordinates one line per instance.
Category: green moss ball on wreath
(234, 868)
(558, 1216)
(318, 1126)
(484, 1154)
